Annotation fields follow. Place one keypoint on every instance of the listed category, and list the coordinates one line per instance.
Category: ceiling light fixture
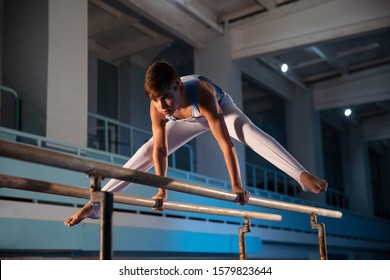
(284, 68)
(347, 112)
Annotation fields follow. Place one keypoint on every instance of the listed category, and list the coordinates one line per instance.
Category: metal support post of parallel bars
(106, 201)
(241, 236)
(321, 236)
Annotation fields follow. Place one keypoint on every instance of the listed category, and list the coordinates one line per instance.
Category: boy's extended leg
(80, 215)
(241, 128)
(178, 134)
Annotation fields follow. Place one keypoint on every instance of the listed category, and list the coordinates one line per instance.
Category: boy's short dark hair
(158, 76)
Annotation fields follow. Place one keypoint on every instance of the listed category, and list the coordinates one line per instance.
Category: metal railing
(382, 211)
(270, 180)
(113, 129)
(99, 170)
(52, 144)
(337, 199)
(277, 182)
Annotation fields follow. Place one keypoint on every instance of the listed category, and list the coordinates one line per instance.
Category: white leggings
(240, 127)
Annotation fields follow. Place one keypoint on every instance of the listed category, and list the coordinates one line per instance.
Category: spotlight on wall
(347, 112)
(284, 68)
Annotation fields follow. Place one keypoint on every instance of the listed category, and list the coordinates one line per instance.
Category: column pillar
(386, 191)
(45, 56)
(358, 188)
(25, 59)
(214, 62)
(304, 136)
(1, 39)
(67, 75)
(2, 113)
(133, 104)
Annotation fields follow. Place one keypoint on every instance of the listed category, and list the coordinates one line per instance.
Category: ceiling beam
(268, 4)
(304, 23)
(254, 9)
(329, 58)
(263, 75)
(202, 13)
(289, 75)
(372, 63)
(306, 63)
(321, 76)
(101, 25)
(359, 88)
(359, 49)
(376, 128)
(383, 44)
(107, 8)
(171, 18)
(384, 105)
(103, 52)
(133, 46)
(145, 30)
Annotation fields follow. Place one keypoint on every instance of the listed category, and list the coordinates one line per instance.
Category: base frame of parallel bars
(321, 236)
(106, 201)
(241, 237)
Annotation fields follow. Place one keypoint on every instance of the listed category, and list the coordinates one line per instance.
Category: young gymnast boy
(181, 108)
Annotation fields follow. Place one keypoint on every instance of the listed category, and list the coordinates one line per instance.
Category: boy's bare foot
(313, 184)
(80, 215)
(242, 196)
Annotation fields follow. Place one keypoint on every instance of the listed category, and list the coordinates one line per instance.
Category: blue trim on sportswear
(190, 83)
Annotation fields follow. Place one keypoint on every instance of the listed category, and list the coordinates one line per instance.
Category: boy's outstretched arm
(209, 108)
(160, 152)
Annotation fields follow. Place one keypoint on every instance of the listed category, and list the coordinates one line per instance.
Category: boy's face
(167, 101)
